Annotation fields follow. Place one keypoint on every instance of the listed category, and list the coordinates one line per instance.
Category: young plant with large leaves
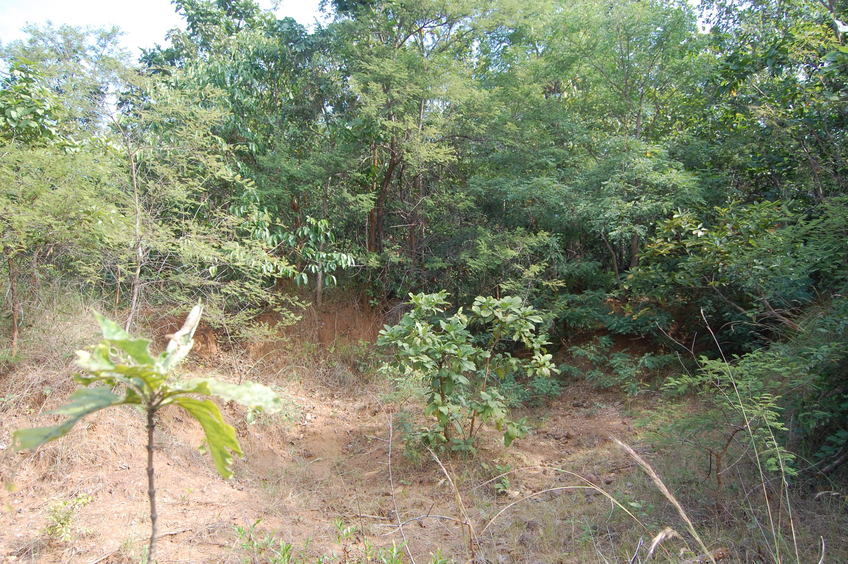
(120, 370)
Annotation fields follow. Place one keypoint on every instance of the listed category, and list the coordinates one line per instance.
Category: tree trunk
(415, 222)
(319, 288)
(136, 286)
(139, 248)
(613, 256)
(151, 487)
(634, 250)
(376, 218)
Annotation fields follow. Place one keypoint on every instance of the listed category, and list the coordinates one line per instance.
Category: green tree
(59, 207)
(83, 68)
(313, 255)
(191, 234)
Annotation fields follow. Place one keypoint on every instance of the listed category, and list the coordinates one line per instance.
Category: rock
(533, 525)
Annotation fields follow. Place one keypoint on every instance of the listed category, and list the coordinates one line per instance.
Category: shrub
(464, 357)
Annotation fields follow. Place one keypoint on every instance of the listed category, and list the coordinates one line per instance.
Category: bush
(464, 358)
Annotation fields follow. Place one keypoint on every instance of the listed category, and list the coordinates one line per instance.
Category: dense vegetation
(626, 168)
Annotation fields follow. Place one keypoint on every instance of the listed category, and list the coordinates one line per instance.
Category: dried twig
(421, 518)
(472, 537)
(636, 552)
(394, 500)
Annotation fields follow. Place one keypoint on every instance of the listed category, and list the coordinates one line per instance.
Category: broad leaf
(220, 436)
(137, 349)
(95, 360)
(248, 394)
(82, 402)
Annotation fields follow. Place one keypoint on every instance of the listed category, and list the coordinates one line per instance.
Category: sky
(144, 22)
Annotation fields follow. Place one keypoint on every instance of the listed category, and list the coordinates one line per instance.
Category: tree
(775, 100)
(82, 68)
(406, 63)
(192, 233)
(162, 196)
(60, 208)
(604, 90)
(311, 246)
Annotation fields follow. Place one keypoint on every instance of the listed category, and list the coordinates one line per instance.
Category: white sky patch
(144, 22)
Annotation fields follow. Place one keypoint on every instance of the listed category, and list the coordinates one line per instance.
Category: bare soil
(330, 476)
(327, 461)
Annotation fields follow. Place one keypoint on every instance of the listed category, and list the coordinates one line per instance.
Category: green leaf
(110, 329)
(248, 394)
(220, 437)
(82, 402)
(96, 360)
(137, 349)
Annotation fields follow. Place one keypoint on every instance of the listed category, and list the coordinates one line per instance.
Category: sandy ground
(329, 480)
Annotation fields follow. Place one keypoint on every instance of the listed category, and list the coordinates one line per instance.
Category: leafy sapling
(310, 243)
(120, 370)
(463, 358)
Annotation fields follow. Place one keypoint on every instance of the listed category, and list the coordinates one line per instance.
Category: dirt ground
(326, 481)
(317, 477)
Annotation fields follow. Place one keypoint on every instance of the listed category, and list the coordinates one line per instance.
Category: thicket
(629, 169)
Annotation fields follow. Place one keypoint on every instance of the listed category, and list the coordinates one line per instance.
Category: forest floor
(330, 477)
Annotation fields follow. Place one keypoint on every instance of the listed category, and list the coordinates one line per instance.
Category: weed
(343, 531)
(62, 515)
(439, 558)
(500, 483)
(263, 548)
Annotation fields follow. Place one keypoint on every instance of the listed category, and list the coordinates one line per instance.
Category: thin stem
(151, 486)
(13, 289)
